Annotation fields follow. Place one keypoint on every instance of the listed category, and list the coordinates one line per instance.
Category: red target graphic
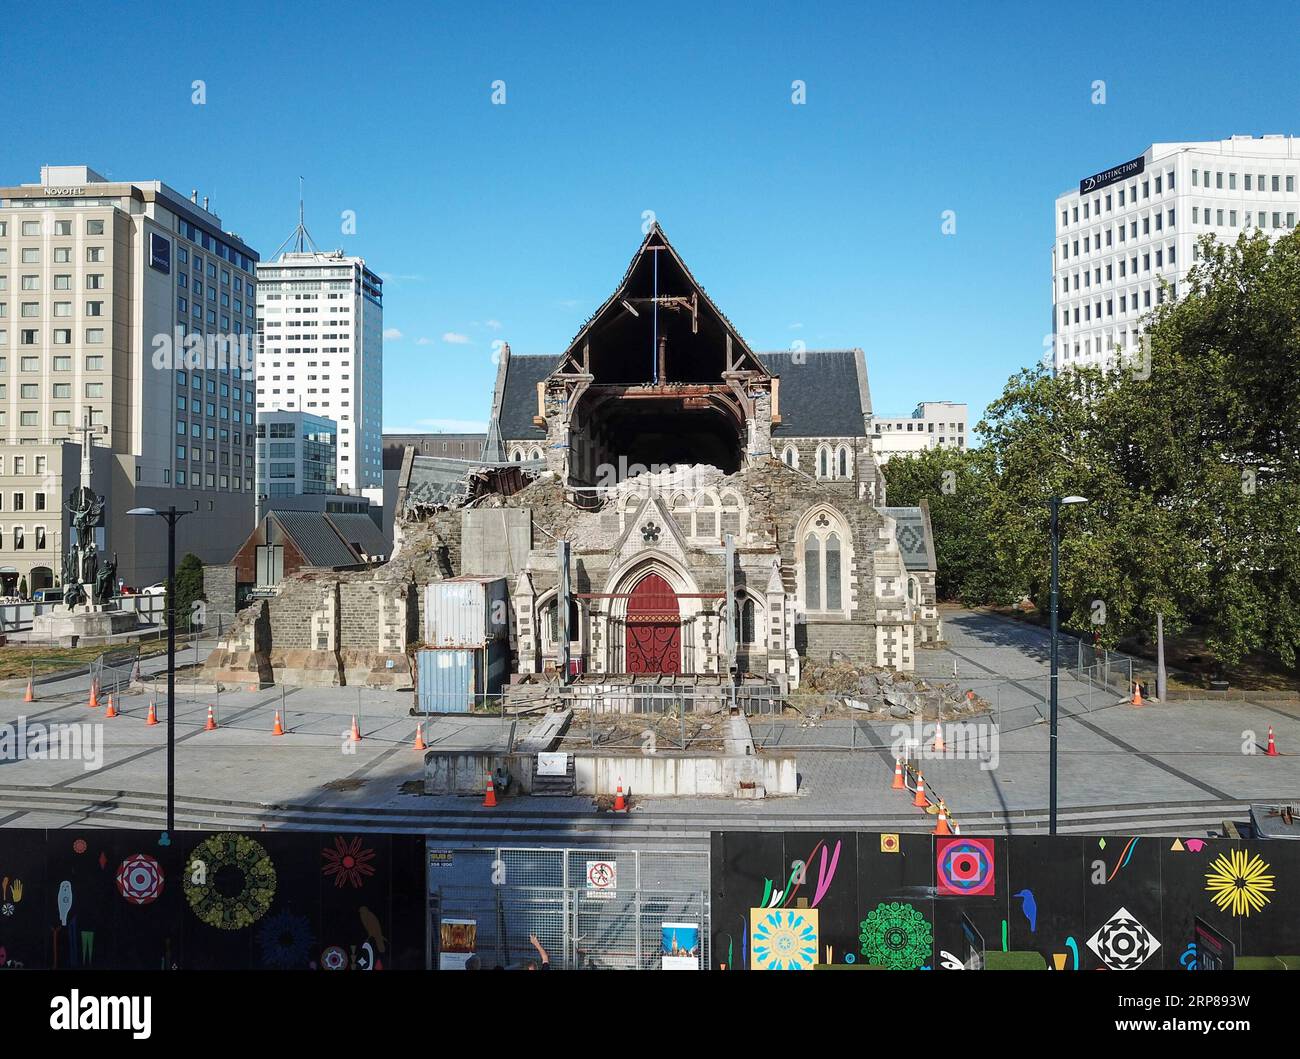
(140, 879)
(964, 866)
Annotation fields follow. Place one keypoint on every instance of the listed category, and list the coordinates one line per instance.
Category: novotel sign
(1112, 176)
(62, 193)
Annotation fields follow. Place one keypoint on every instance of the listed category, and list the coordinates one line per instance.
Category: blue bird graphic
(1030, 908)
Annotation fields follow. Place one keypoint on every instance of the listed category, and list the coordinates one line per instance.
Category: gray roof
(824, 394)
(913, 536)
(318, 541)
(359, 531)
(519, 403)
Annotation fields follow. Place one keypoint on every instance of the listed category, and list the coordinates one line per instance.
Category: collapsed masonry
(721, 509)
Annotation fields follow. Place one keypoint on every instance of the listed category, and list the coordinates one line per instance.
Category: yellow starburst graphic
(1239, 882)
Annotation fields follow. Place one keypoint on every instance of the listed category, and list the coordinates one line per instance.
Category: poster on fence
(680, 945)
(458, 939)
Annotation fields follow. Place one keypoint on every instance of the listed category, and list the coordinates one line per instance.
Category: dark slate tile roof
(912, 532)
(824, 396)
(359, 531)
(519, 402)
(318, 541)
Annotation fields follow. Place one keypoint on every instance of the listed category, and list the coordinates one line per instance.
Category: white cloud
(796, 327)
(392, 334)
(455, 339)
(494, 324)
(424, 340)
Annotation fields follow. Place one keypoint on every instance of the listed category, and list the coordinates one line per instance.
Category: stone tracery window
(842, 462)
(790, 456)
(824, 566)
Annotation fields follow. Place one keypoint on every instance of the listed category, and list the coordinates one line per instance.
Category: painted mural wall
(119, 899)
(789, 901)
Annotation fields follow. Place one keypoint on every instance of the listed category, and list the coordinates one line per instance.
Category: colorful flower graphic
(348, 862)
(140, 879)
(896, 936)
(229, 881)
(1239, 882)
(784, 939)
(286, 941)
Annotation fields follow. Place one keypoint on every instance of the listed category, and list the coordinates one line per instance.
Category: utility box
(466, 611)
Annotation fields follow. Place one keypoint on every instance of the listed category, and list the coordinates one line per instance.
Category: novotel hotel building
(1128, 234)
(125, 307)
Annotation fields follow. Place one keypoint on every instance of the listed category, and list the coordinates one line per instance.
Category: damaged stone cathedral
(704, 509)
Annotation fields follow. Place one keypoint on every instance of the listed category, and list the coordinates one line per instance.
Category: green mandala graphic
(229, 881)
(896, 936)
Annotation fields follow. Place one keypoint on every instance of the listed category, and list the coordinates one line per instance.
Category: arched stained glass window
(812, 565)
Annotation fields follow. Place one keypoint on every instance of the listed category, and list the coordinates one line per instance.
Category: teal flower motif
(785, 939)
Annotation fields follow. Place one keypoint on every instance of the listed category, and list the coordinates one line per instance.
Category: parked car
(160, 589)
(47, 595)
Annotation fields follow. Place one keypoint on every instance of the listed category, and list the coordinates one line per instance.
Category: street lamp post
(172, 516)
(1055, 504)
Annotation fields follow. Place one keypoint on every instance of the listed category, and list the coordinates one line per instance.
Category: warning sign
(602, 876)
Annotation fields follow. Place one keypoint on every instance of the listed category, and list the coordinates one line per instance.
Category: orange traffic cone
(898, 784)
(620, 805)
(419, 738)
(355, 737)
(111, 711)
(1272, 744)
(278, 728)
(490, 795)
(152, 719)
(1137, 693)
(29, 697)
(941, 827)
(920, 801)
(939, 748)
(211, 726)
(94, 695)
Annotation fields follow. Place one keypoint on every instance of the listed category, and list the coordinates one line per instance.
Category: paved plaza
(1176, 763)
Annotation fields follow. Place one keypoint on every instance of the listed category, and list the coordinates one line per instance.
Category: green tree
(189, 588)
(1189, 454)
(22, 588)
(960, 488)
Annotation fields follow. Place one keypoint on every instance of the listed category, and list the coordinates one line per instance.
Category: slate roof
(318, 540)
(825, 395)
(359, 531)
(519, 403)
(914, 537)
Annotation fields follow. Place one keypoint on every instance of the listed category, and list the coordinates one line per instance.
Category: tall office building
(1128, 236)
(126, 306)
(322, 321)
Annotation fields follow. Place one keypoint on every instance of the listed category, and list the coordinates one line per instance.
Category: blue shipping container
(452, 680)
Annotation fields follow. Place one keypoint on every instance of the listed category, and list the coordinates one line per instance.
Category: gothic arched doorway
(654, 628)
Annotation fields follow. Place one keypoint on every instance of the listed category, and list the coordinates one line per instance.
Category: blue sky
(819, 223)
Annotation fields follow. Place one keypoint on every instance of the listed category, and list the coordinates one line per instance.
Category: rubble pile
(886, 691)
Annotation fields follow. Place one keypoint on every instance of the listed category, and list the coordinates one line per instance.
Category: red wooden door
(654, 628)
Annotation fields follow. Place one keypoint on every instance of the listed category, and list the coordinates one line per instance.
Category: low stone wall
(642, 775)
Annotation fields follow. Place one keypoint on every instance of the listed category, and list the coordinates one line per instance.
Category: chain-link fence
(587, 908)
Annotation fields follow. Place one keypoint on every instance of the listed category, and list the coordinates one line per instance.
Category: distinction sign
(1111, 176)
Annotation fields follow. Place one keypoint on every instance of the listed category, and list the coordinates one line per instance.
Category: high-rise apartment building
(1128, 236)
(124, 306)
(322, 321)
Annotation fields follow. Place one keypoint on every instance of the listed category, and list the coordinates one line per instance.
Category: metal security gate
(594, 909)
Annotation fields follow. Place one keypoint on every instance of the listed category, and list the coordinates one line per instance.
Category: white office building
(127, 307)
(1127, 237)
(322, 321)
(932, 425)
